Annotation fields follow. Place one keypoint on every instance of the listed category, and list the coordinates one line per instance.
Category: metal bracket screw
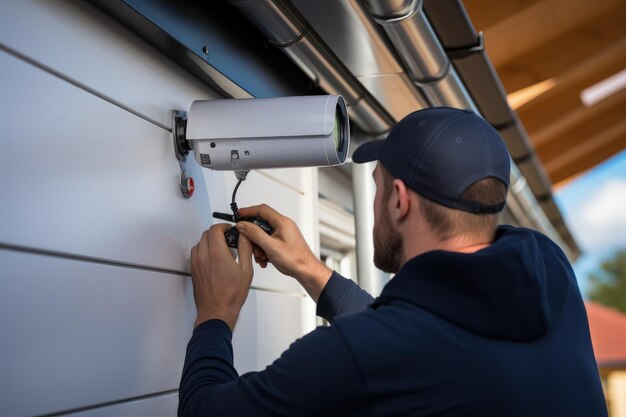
(187, 185)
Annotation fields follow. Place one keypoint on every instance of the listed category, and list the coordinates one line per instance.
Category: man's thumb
(244, 248)
(255, 234)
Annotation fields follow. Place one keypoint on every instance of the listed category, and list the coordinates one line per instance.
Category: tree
(608, 285)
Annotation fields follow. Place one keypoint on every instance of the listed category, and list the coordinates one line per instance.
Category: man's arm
(287, 250)
(341, 296)
(316, 376)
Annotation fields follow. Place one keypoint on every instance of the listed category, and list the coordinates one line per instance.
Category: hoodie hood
(514, 289)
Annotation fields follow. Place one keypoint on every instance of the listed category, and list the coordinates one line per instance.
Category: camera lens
(339, 134)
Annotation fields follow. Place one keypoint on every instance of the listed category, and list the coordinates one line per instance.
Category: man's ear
(402, 200)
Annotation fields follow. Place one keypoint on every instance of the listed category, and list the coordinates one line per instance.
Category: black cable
(233, 205)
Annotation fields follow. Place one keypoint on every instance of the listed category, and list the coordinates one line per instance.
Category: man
(479, 320)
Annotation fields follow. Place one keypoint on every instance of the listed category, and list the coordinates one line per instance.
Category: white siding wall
(95, 300)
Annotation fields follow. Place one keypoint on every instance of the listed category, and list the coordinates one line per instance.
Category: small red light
(190, 186)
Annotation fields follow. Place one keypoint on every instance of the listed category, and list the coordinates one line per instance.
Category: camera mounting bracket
(179, 131)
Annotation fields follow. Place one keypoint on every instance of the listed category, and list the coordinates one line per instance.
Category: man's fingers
(224, 227)
(203, 244)
(257, 236)
(215, 238)
(258, 252)
(264, 211)
(244, 248)
(262, 262)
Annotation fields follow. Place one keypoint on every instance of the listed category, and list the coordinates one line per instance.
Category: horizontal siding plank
(81, 176)
(298, 179)
(76, 333)
(158, 406)
(87, 46)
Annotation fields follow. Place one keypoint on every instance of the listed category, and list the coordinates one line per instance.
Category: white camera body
(244, 134)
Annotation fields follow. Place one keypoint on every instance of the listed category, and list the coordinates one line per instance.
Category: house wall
(616, 393)
(96, 306)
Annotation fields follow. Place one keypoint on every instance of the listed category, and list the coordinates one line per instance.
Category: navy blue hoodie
(498, 332)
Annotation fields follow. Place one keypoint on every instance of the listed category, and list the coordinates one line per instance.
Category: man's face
(388, 243)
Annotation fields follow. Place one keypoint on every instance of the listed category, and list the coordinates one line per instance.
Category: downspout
(370, 278)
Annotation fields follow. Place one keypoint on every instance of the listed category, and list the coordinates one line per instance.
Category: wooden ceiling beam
(549, 107)
(486, 13)
(571, 45)
(594, 150)
(581, 133)
(512, 37)
(552, 58)
(581, 115)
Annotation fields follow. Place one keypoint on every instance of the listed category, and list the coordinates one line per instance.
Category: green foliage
(608, 285)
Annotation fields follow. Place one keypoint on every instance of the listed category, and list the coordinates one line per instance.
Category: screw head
(187, 186)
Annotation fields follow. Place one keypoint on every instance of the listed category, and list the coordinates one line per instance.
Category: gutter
(429, 66)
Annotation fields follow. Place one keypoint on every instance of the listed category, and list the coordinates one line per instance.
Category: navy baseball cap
(439, 152)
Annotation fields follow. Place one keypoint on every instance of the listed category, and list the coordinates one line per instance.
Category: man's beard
(388, 244)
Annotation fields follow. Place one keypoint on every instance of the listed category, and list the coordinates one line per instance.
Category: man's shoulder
(388, 324)
(399, 335)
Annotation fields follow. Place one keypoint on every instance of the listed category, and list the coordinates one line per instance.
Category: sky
(594, 207)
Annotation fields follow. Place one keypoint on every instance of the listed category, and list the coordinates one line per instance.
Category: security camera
(243, 134)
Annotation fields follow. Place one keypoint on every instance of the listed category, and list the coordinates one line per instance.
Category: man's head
(442, 176)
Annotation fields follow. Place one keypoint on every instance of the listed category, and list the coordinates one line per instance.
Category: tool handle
(224, 216)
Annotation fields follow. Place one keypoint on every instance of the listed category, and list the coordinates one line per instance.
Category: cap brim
(368, 151)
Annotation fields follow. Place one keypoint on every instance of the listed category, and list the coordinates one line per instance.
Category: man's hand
(220, 284)
(286, 249)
